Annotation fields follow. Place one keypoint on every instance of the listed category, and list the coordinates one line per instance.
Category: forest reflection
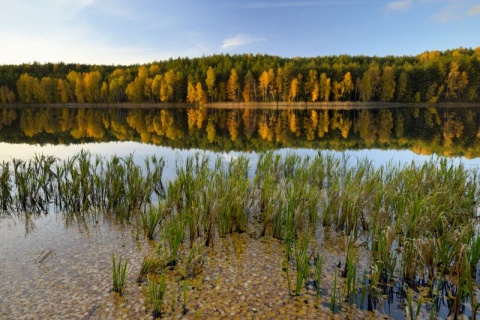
(445, 131)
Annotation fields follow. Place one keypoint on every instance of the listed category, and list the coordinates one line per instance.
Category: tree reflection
(423, 130)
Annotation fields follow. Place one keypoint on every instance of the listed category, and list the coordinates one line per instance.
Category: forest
(433, 76)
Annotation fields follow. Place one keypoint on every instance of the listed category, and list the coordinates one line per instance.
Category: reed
(350, 272)
(410, 312)
(174, 234)
(157, 287)
(302, 260)
(151, 220)
(6, 198)
(185, 293)
(194, 260)
(150, 265)
(119, 274)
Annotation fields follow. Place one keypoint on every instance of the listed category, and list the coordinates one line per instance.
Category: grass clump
(119, 274)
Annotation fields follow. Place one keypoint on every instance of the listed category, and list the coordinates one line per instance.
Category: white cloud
(240, 39)
(401, 5)
(474, 10)
(456, 12)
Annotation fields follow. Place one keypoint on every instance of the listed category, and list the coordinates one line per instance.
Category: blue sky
(140, 31)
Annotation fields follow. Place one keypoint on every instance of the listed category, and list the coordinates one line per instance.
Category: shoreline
(344, 105)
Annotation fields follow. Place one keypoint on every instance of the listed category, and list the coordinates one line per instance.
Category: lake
(57, 263)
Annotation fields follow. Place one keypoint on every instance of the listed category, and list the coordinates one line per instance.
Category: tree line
(433, 76)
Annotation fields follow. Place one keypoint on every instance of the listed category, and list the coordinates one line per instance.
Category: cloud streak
(239, 40)
(475, 10)
(443, 11)
(402, 5)
(295, 4)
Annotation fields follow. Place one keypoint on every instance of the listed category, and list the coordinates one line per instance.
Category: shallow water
(242, 276)
(74, 281)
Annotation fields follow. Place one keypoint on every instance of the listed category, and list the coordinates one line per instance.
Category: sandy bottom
(242, 277)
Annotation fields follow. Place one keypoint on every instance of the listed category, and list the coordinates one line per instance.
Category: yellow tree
(136, 89)
(156, 84)
(279, 83)
(104, 91)
(6, 95)
(191, 95)
(233, 86)
(167, 85)
(117, 85)
(210, 82)
(325, 87)
(387, 85)
(25, 88)
(263, 83)
(200, 95)
(76, 82)
(347, 85)
(337, 90)
(456, 81)
(92, 82)
(47, 90)
(293, 94)
(312, 85)
(370, 83)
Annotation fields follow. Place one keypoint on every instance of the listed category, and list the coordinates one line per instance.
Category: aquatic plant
(157, 287)
(302, 260)
(173, 233)
(6, 198)
(119, 274)
(410, 312)
(151, 264)
(151, 219)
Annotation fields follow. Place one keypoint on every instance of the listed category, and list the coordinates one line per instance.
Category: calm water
(74, 280)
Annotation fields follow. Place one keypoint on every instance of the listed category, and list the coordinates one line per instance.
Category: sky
(127, 32)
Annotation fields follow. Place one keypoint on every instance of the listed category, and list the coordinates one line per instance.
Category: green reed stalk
(185, 292)
(286, 268)
(350, 271)
(156, 294)
(119, 273)
(174, 235)
(6, 199)
(302, 259)
(151, 220)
